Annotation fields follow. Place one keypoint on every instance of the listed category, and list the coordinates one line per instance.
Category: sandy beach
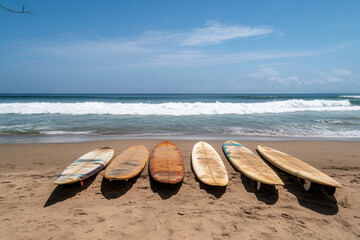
(32, 207)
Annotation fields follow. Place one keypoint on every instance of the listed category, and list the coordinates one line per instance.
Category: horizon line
(144, 93)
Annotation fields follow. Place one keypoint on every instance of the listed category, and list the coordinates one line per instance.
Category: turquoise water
(99, 116)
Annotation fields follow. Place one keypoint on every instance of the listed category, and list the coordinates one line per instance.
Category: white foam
(65, 132)
(350, 96)
(339, 122)
(176, 108)
(317, 132)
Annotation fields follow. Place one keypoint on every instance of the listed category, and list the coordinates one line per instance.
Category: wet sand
(32, 207)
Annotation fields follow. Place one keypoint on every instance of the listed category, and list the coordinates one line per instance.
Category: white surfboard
(85, 166)
(208, 165)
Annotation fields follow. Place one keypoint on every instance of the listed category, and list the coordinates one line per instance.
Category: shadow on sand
(216, 191)
(316, 199)
(115, 189)
(165, 191)
(63, 192)
(267, 194)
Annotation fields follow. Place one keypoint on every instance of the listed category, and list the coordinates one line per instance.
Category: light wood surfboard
(127, 164)
(208, 165)
(85, 166)
(299, 169)
(249, 164)
(166, 163)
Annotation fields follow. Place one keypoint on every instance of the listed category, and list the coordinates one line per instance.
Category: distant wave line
(350, 96)
(176, 108)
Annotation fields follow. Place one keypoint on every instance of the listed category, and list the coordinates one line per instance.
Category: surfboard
(166, 163)
(299, 169)
(85, 166)
(249, 164)
(208, 165)
(127, 164)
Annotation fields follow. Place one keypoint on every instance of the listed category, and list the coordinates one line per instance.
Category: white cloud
(239, 85)
(293, 78)
(264, 72)
(279, 64)
(153, 41)
(334, 79)
(273, 75)
(326, 80)
(321, 73)
(155, 48)
(269, 71)
(341, 71)
(215, 33)
(318, 80)
(202, 57)
(336, 75)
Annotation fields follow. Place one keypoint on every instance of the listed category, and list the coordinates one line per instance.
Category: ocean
(81, 117)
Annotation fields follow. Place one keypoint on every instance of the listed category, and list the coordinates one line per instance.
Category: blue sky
(180, 47)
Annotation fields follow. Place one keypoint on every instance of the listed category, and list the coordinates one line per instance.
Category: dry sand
(32, 207)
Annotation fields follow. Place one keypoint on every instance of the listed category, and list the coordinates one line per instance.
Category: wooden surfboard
(166, 163)
(85, 166)
(208, 165)
(296, 167)
(127, 164)
(249, 164)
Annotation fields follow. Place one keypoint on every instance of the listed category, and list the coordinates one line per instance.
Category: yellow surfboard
(208, 165)
(299, 169)
(127, 164)
(85, 166)
(249, 164)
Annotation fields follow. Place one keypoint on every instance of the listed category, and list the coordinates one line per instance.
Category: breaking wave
(176, 108)
(350, 96)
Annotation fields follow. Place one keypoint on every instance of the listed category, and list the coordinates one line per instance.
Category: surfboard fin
(258, 186)
(305, 183)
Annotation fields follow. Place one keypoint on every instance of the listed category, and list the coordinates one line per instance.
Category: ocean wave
(338, 122)
(350, 96)
(176, 108)
(65, 132)
(295, 132)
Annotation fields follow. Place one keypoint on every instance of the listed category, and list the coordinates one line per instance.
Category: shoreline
(77, 138)
(33, 207)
